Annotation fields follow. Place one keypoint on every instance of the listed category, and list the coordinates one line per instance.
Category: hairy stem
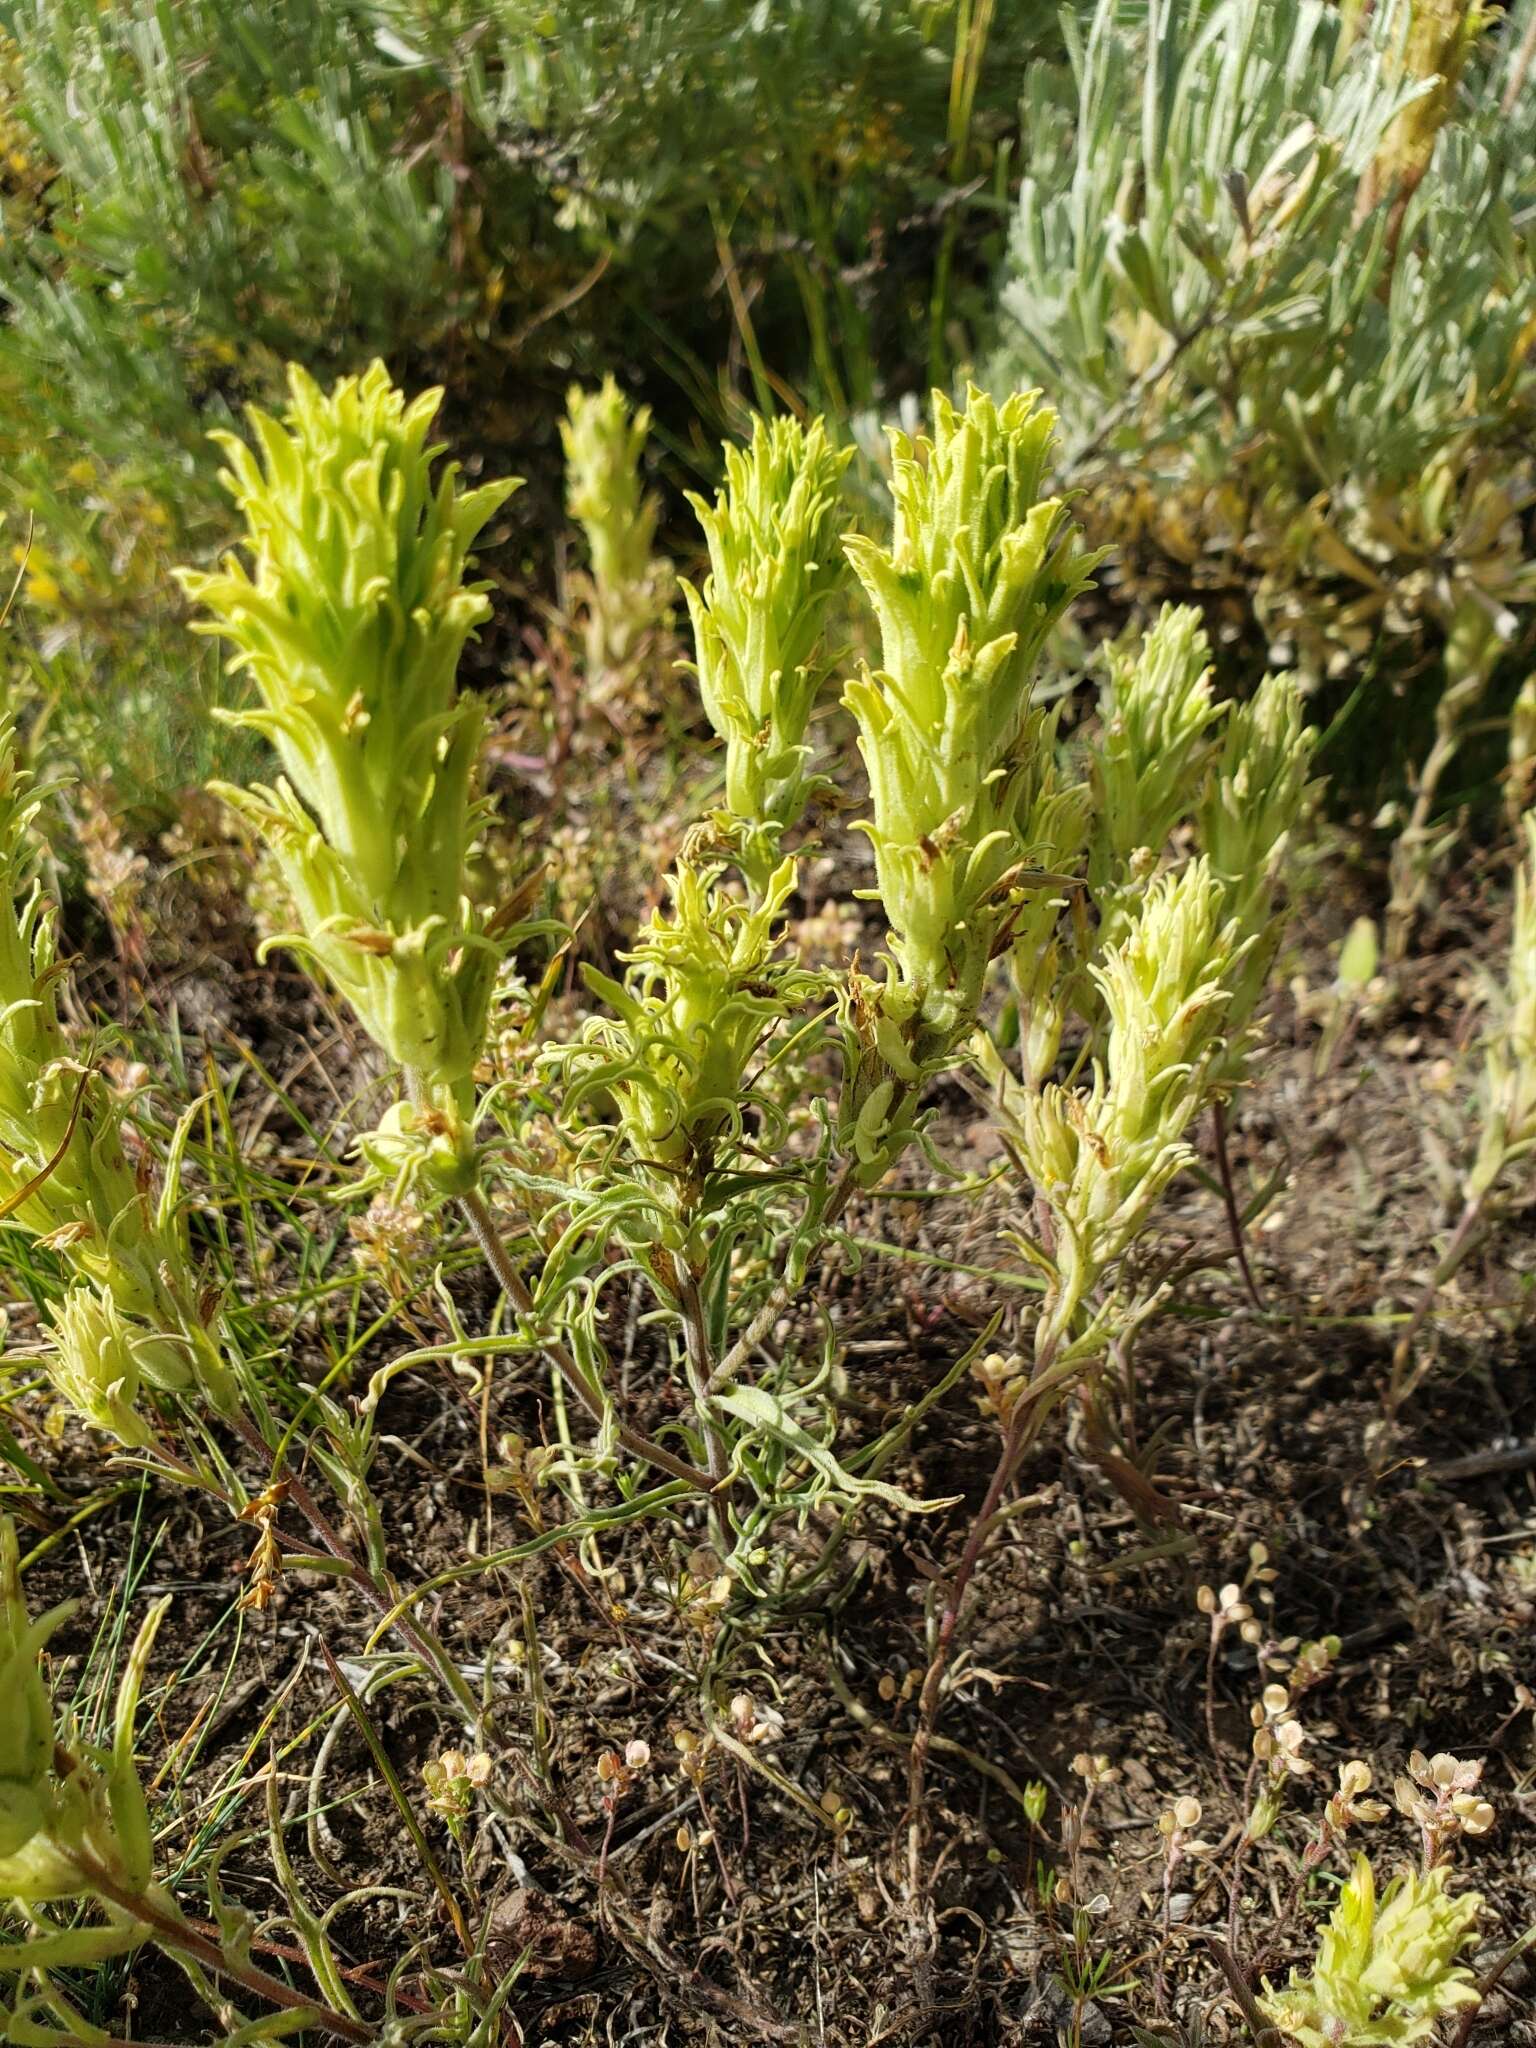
(1490, 1982)
(1210, 1708)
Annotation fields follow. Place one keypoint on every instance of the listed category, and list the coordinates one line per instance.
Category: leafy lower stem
(504, 1268)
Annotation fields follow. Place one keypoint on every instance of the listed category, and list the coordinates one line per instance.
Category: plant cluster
(967, 847)
(1081, 921)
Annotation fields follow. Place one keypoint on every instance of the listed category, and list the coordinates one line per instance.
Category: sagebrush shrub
(1271, 270)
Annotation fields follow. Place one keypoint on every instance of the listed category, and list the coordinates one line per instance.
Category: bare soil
(1413, 1540)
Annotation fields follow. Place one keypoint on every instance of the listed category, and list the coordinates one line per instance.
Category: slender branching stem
(1489, 1983)
(421, 1639)
(1240, 1855)
(1410, 863)
(733, 1364)
(1210, 1707)
(103, 2041)
(1229, 1200)
(515, 1287)
(698, 1358)
(171, 1931)
(1022, 1425)
(1264, 2035)
(1149, 379)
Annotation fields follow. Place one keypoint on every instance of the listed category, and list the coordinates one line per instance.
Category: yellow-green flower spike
(1387, 1970)
(979, 569)
(604, 441)
(1055, 818)
(759, 620)
(350, 616)
(1257, 794)
(1100, 1157)
(100, 1357)
(1150, 756)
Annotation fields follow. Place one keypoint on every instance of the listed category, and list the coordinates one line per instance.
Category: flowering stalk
(350, 617)
(1100, 1157)
(1256, 795)
(1156, 739)
(1098, 1160)
(1056, 818)
(681, 1121)
(706, 987)
(1167, 756)
(759, 623)
(979, 569)
(604, 442)
(1475, 641)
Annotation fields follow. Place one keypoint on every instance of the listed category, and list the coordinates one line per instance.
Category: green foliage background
(1272, 265)
(712, 197)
